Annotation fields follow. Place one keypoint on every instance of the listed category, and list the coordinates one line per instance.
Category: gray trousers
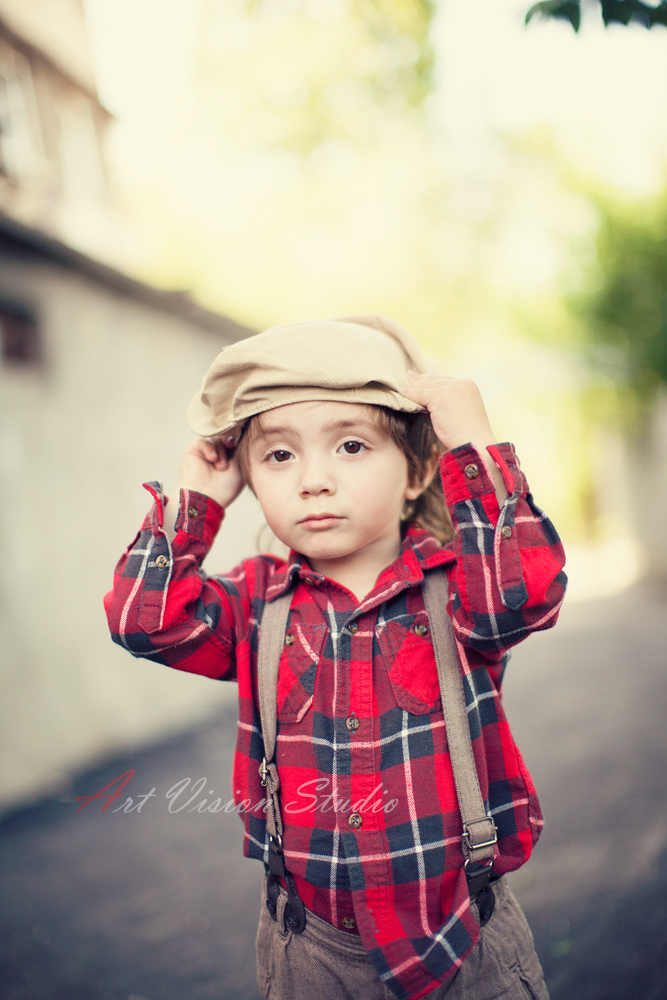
(324, 963)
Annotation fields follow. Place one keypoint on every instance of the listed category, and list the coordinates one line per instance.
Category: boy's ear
(417, 489)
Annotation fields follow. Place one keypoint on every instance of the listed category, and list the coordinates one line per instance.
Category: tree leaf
(565, 10)
(613, 12)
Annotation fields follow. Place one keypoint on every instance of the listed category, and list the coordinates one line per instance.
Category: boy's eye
(281, 455)
(352, 447)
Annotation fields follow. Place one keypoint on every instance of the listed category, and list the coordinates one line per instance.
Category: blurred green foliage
(295, 73)
(613, 12)
(624, 311)
(391, 21)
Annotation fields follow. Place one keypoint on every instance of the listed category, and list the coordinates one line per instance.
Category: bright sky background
(600, 96)
(455, 220)
(602, 93)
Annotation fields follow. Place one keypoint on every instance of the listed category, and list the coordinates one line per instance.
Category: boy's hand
(209, 467)
(456, 407)
(458, 416)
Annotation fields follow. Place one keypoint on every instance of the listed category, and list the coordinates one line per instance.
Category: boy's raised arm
(458, 416)
(162, 605)
(207, 467)
(508, 577)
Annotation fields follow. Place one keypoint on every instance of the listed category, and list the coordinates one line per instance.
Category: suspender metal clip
(469, 835)
(264, 772)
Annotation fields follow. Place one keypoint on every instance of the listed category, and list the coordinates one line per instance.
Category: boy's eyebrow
(264, 431)
(336, 425)
(341, 425)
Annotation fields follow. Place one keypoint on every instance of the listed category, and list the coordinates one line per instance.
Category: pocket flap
(407, 649)
(298, 670)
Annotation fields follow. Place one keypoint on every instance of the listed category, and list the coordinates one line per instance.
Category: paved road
(588, 704)
(154, 905)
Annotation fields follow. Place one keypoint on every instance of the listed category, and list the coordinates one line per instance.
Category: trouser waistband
(350, 945)
(322, 932)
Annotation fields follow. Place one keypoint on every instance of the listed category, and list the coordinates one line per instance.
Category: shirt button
(352, 723)
(471, 471)
(355, 821)
(506, 531)
(354, 628)
(420, 629)
(161, 562)
(349, 923)
(193, 512)
(289, 639)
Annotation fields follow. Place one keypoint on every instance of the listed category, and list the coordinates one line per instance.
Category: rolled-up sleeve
(162, 605)
(508, 576)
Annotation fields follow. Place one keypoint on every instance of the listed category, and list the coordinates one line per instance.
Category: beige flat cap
(356, 359)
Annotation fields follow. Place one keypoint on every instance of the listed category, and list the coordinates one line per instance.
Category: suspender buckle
(264, 772)
(470, 838)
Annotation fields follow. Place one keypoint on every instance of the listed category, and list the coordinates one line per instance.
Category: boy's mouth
(320, 521)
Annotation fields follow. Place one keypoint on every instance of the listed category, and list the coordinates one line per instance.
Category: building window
(20, 135)
(21, 343)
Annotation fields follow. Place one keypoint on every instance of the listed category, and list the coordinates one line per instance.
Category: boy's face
(331, 484)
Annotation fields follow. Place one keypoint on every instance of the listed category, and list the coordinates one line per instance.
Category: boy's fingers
(424, 383)
(417, 395)
(225, 451)
(213, 452)
(209, 450)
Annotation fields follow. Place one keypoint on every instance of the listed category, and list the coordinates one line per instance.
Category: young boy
(338, 428)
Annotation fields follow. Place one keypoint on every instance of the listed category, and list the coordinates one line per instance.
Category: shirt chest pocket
(298, 670)
(407, 648)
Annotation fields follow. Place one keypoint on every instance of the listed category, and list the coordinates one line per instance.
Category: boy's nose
(316, 479)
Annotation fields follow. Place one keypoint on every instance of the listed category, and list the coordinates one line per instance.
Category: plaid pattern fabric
(372, 826)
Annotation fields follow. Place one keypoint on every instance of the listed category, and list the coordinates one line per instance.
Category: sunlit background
(441, 163)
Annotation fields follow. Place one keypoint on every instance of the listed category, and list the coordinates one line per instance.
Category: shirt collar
(296, 566)
(419, 552)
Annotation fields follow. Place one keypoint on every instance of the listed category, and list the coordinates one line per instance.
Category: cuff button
(471, 471)
(193, 512)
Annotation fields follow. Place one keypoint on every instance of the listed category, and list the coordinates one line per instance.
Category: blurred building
(52, 125)
(96, 370)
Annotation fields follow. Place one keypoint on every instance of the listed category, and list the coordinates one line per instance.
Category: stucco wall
(78, 435)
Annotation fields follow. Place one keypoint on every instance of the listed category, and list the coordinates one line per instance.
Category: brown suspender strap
(271, 642)
(479, 829)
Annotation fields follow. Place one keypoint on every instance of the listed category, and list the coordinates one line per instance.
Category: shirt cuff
(464, 474)
(506, 459)
(155, 516)
(199, 515)
(464, 477)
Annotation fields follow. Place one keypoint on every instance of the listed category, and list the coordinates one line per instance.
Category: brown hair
(413, 433)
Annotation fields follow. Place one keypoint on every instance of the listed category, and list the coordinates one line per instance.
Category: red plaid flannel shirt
(360, 723)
